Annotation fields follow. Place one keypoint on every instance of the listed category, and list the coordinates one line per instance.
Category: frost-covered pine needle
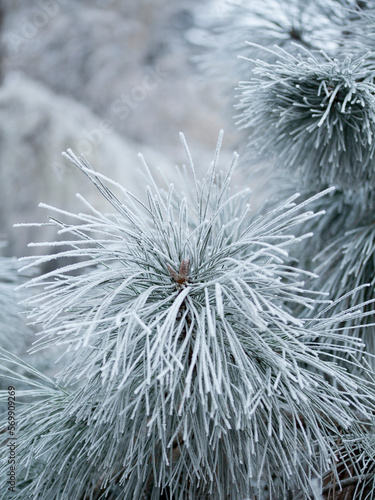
(313, 117)
(356, 477)
(348, 264)
(224, 32)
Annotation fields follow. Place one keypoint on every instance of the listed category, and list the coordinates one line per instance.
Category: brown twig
(183, 273)
(348, 482)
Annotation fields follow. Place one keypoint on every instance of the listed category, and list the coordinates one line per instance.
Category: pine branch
(198, 383)
(317, 118)
(347, 482)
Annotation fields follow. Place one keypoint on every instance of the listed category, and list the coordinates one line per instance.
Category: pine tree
(210, 352)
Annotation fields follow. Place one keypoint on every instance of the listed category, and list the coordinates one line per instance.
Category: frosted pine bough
(186, 371)
(315, 115)
(312, 24)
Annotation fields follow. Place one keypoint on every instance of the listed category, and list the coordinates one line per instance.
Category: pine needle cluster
(314, 117)
(287, 24)
(186, 374)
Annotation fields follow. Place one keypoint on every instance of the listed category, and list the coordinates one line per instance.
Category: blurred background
(109, 79)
